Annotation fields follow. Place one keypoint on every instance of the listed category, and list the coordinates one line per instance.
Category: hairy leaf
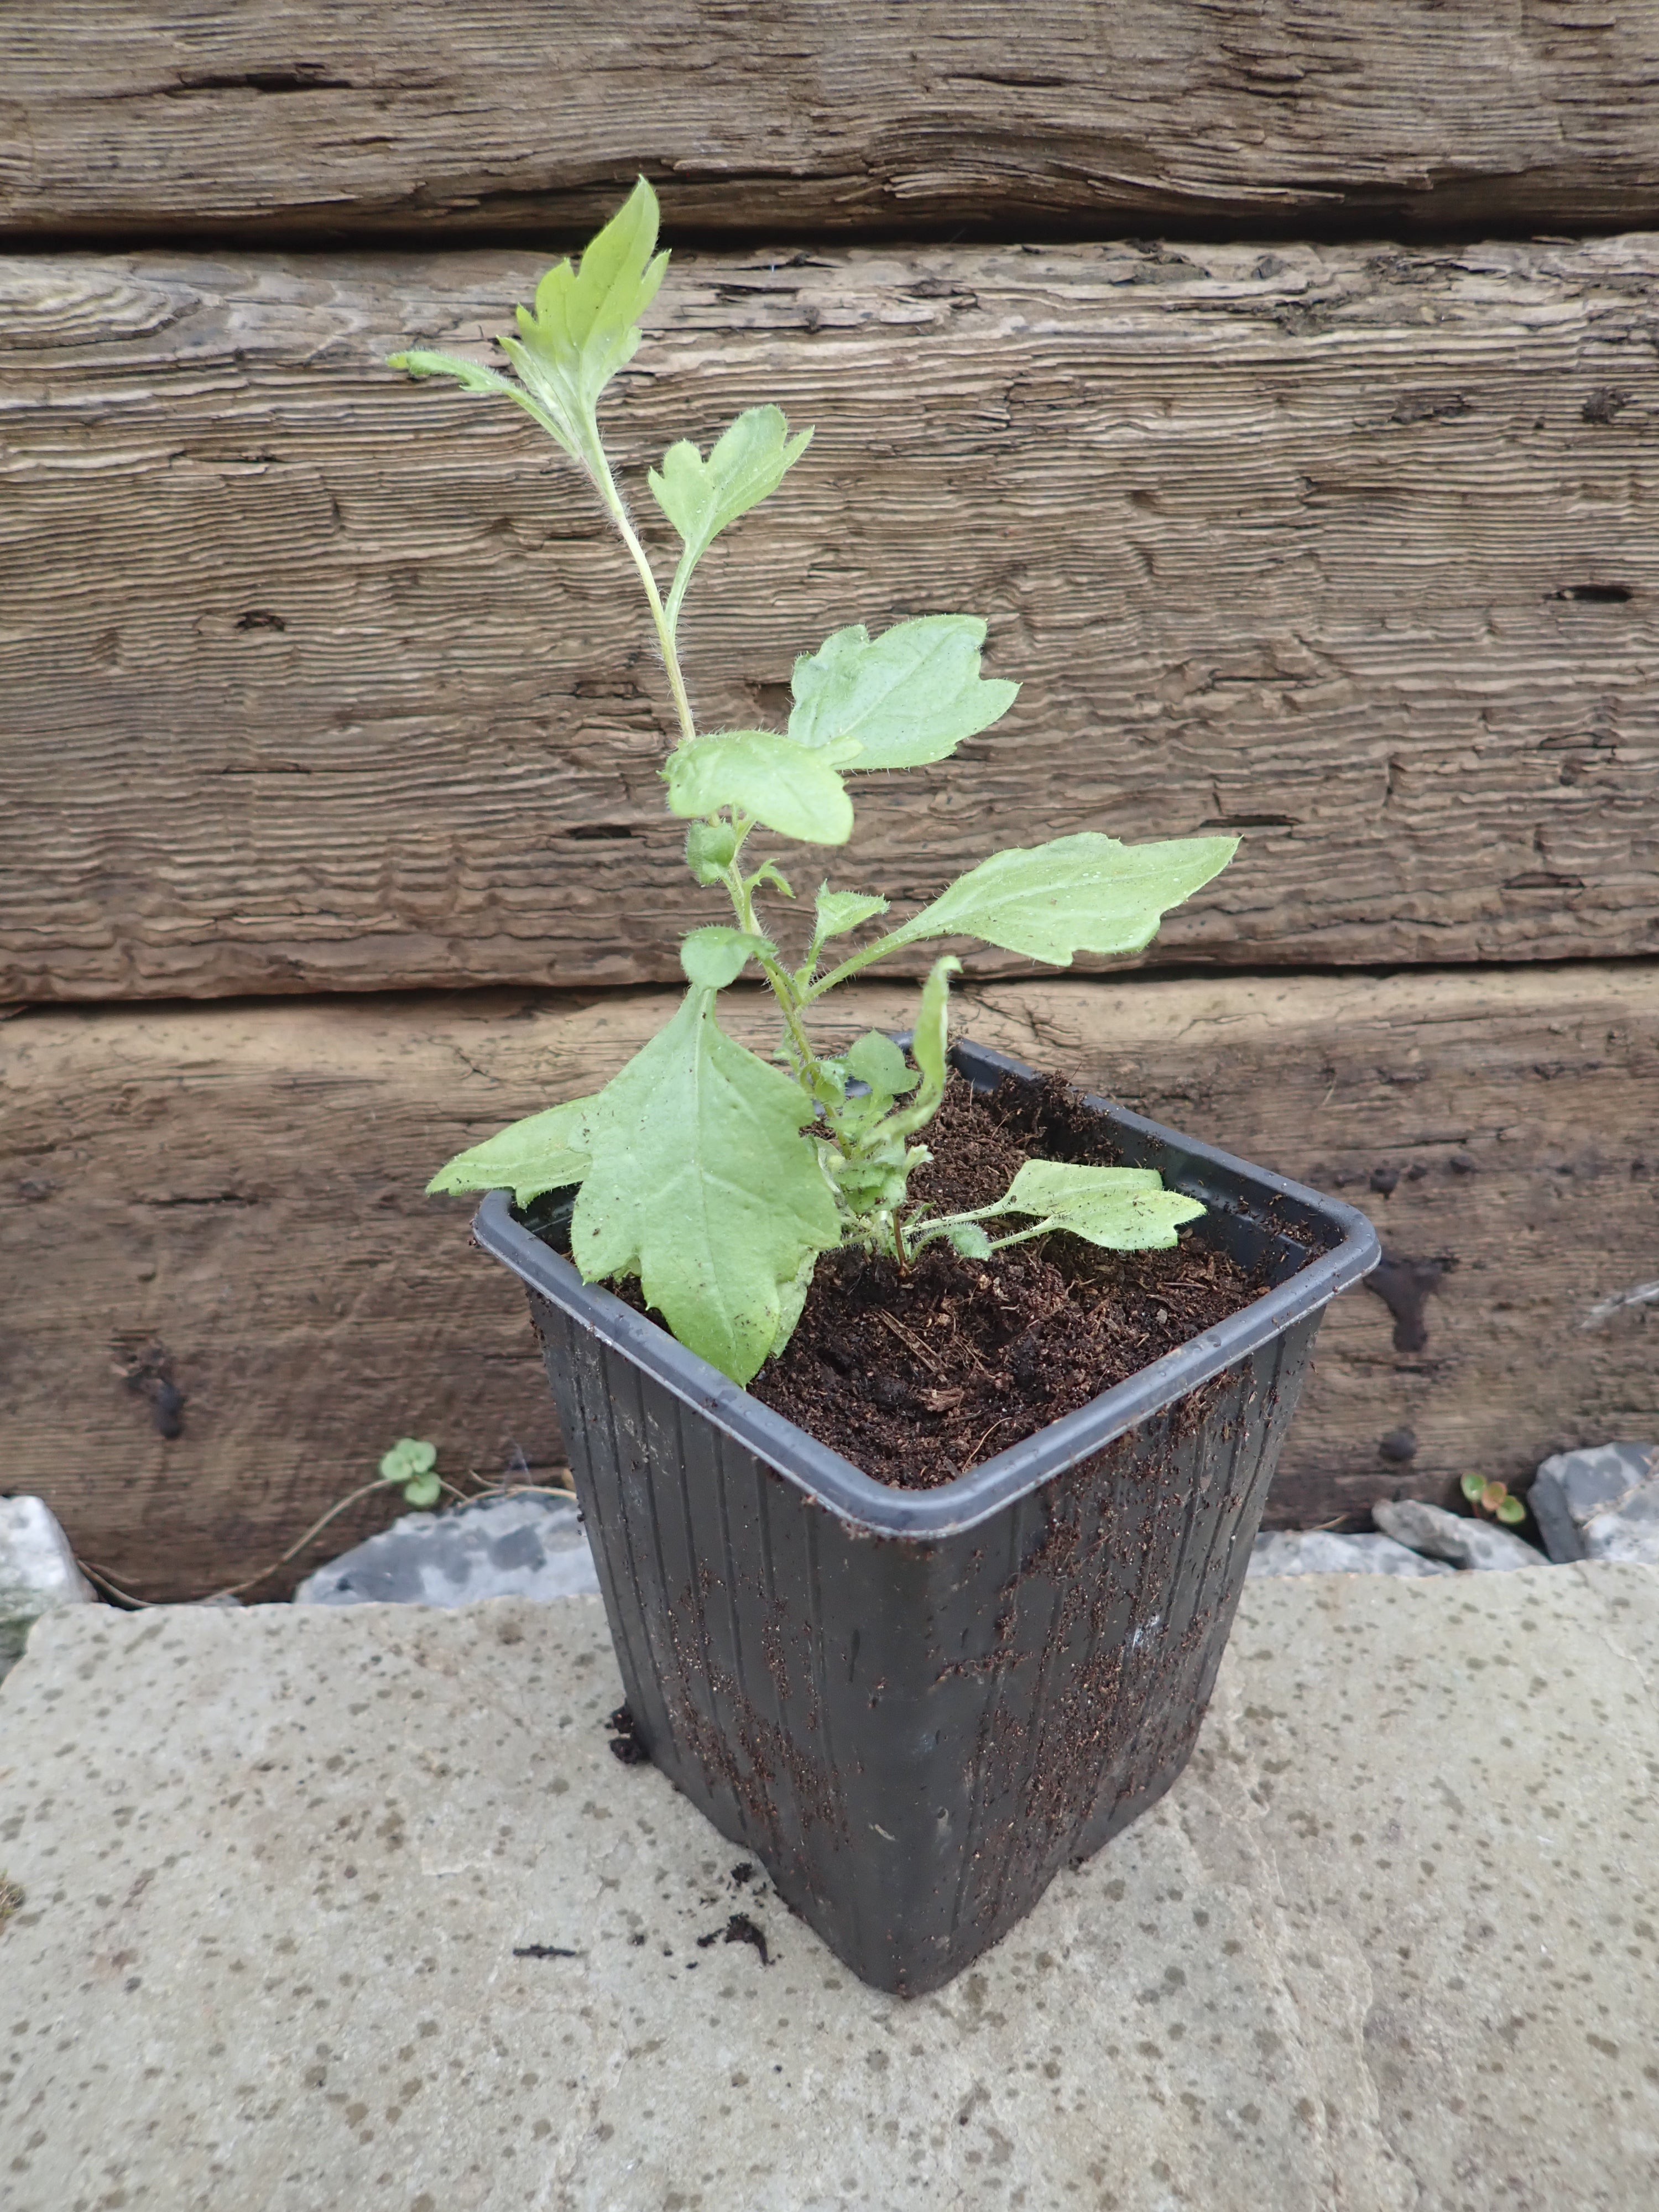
(1086, 893)
(746, 463)
(545, 1151)
(838, 912)
(702, 1184)
(1125, 1209)
(717, 956)
(791, 789)
(791, 1297)
(930, 1050)
(969, 1238)
(878, 1175)
(710, 848)
(876, 1059)
(910, 695)
(931, 1044)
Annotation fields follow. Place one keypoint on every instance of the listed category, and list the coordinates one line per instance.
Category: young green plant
(714, 1176)
(1494, 1498)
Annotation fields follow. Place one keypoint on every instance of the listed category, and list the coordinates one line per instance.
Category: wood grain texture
(232, 1194)
(318, 679)
(407, 118)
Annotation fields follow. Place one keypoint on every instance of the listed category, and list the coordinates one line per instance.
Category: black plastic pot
(916, 1706)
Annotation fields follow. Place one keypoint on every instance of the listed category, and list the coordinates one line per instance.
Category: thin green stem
(783, 990)
(978, 1213)
(855, 961)
(677, 596)
(942, 1225)
(741, 892)
(606, 485)
(1021, 1236)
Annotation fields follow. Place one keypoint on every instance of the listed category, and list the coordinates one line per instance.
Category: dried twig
(899, 1330)
(214, 1597)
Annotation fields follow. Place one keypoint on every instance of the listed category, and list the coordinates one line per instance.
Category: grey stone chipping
(524, 1547)
(1601, 1503)
(1438, 1535)
(38, 1572)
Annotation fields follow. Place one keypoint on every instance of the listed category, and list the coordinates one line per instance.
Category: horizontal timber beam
(227, 1199)
(319, 680)
(414, 120)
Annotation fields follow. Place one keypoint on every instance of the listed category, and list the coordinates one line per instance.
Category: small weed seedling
(411, 1465)
(1494, 1499)
(717, 1178)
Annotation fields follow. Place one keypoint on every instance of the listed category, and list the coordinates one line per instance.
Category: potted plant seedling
(915, 1703)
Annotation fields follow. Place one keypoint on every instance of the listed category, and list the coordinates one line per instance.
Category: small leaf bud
(709, 847)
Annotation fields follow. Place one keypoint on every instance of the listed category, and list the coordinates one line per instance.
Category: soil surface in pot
(916, 1376)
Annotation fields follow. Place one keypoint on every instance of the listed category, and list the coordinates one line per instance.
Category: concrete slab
(354, 1908)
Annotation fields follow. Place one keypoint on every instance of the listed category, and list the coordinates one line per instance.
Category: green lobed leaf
(907, 697)
(548, 1150)
(583, 328)
(424, 1491)
(408, 1459)
(839, 912)
(717, 956)
(702, 1185)
(585, 325)
(1125, 1209)
(1511, 1510)
(745, 464)
(1472, 1485)
(791, 789)
(1086, 893)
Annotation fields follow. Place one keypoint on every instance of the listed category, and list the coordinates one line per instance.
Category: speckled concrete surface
(1389, 1943)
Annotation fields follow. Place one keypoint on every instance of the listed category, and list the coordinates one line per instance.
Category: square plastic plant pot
(916, 1707)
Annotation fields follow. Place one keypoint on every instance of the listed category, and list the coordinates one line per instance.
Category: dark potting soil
(917, 1375)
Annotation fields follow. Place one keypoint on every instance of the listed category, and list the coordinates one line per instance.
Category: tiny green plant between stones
(714, 1176)
(1494, 1498)
(411, 1466)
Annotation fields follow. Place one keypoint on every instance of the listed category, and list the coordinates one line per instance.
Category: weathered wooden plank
(316, 679)
(410, 116)
(233, 1192)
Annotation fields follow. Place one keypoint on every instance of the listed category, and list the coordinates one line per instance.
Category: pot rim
(1341, 1244)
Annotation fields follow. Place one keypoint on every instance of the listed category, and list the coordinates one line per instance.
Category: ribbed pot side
(915, 1733)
